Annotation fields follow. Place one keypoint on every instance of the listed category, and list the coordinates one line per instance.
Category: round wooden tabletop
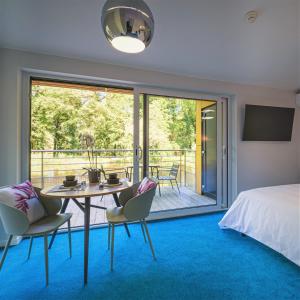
(91, 190)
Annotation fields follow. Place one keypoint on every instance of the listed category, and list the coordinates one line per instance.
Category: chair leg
(159, 189)
(46, 258)
(172, 184)
(5, 251)
(149, 239)
(63, 209)
(30, 246)
(108, 239)
(177, 186)
(143, 231)
(112, 248)
(70, 238)
(127, 230)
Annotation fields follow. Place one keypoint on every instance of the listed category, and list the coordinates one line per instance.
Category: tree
(54, 118)
(176, 118)
(61, 115)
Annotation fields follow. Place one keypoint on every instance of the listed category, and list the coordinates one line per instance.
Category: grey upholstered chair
(15, 222)
(134, 208)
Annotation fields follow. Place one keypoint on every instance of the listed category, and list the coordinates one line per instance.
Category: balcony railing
(49, 167)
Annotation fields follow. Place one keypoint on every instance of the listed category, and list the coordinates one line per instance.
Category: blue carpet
(196, 260)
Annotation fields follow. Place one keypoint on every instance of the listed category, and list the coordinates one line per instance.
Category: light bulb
(128, 44)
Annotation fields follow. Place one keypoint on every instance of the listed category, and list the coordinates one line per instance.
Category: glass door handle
(140, 156)
(224, 150)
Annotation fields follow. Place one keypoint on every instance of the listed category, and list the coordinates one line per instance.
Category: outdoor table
(91, 190)
(152, 170)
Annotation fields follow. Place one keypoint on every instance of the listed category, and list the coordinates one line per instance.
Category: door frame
(222, 148)
(24, 133)
(27, 77)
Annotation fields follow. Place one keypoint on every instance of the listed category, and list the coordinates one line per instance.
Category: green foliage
(180, 120)
(61, 115)
(54, 122)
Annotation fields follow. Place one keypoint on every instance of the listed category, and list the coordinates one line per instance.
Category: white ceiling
(202, 38)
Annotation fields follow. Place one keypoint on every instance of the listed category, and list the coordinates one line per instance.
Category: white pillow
(24, 198)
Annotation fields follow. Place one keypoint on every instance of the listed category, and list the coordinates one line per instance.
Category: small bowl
(113, 176)
(113, 181)
(70, 177)
(70, 183)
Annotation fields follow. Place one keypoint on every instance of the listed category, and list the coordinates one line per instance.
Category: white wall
(258, 163)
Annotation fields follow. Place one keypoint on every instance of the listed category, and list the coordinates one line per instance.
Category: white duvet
(270, 215)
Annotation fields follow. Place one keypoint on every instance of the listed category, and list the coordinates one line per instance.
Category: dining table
(82, 198)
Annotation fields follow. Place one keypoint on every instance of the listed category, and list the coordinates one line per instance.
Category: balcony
(49, 167)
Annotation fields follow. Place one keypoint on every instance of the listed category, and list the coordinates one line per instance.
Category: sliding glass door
(181, 144)
(177, 138)
(79, 127)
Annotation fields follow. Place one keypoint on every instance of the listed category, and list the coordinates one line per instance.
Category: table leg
(116, 198)
(86, 236)
(62, 211)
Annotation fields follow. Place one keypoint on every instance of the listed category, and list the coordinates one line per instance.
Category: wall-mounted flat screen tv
(267, 123)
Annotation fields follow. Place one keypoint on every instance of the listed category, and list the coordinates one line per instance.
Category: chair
(15, 222)
(134, 208)
(172, 176)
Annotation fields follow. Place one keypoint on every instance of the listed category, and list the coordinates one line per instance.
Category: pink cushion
(146, 185)
(24, 198)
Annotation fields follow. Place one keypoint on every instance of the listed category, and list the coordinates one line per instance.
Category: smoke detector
(251, 16)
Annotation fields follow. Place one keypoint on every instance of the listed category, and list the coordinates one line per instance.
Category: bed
(271, 215)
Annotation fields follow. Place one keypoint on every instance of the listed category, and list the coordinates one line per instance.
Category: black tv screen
(267, 123)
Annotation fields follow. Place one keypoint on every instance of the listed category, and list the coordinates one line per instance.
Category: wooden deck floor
(170, 199)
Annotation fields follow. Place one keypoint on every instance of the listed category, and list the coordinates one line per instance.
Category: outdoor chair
(172, 176)
(135, 208)
(16, 223)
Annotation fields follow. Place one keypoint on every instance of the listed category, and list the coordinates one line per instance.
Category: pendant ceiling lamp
(127, 24)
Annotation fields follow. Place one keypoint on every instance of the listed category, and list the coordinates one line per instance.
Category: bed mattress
(271, 215)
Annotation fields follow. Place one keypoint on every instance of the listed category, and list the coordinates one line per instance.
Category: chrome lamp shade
(127, 24)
